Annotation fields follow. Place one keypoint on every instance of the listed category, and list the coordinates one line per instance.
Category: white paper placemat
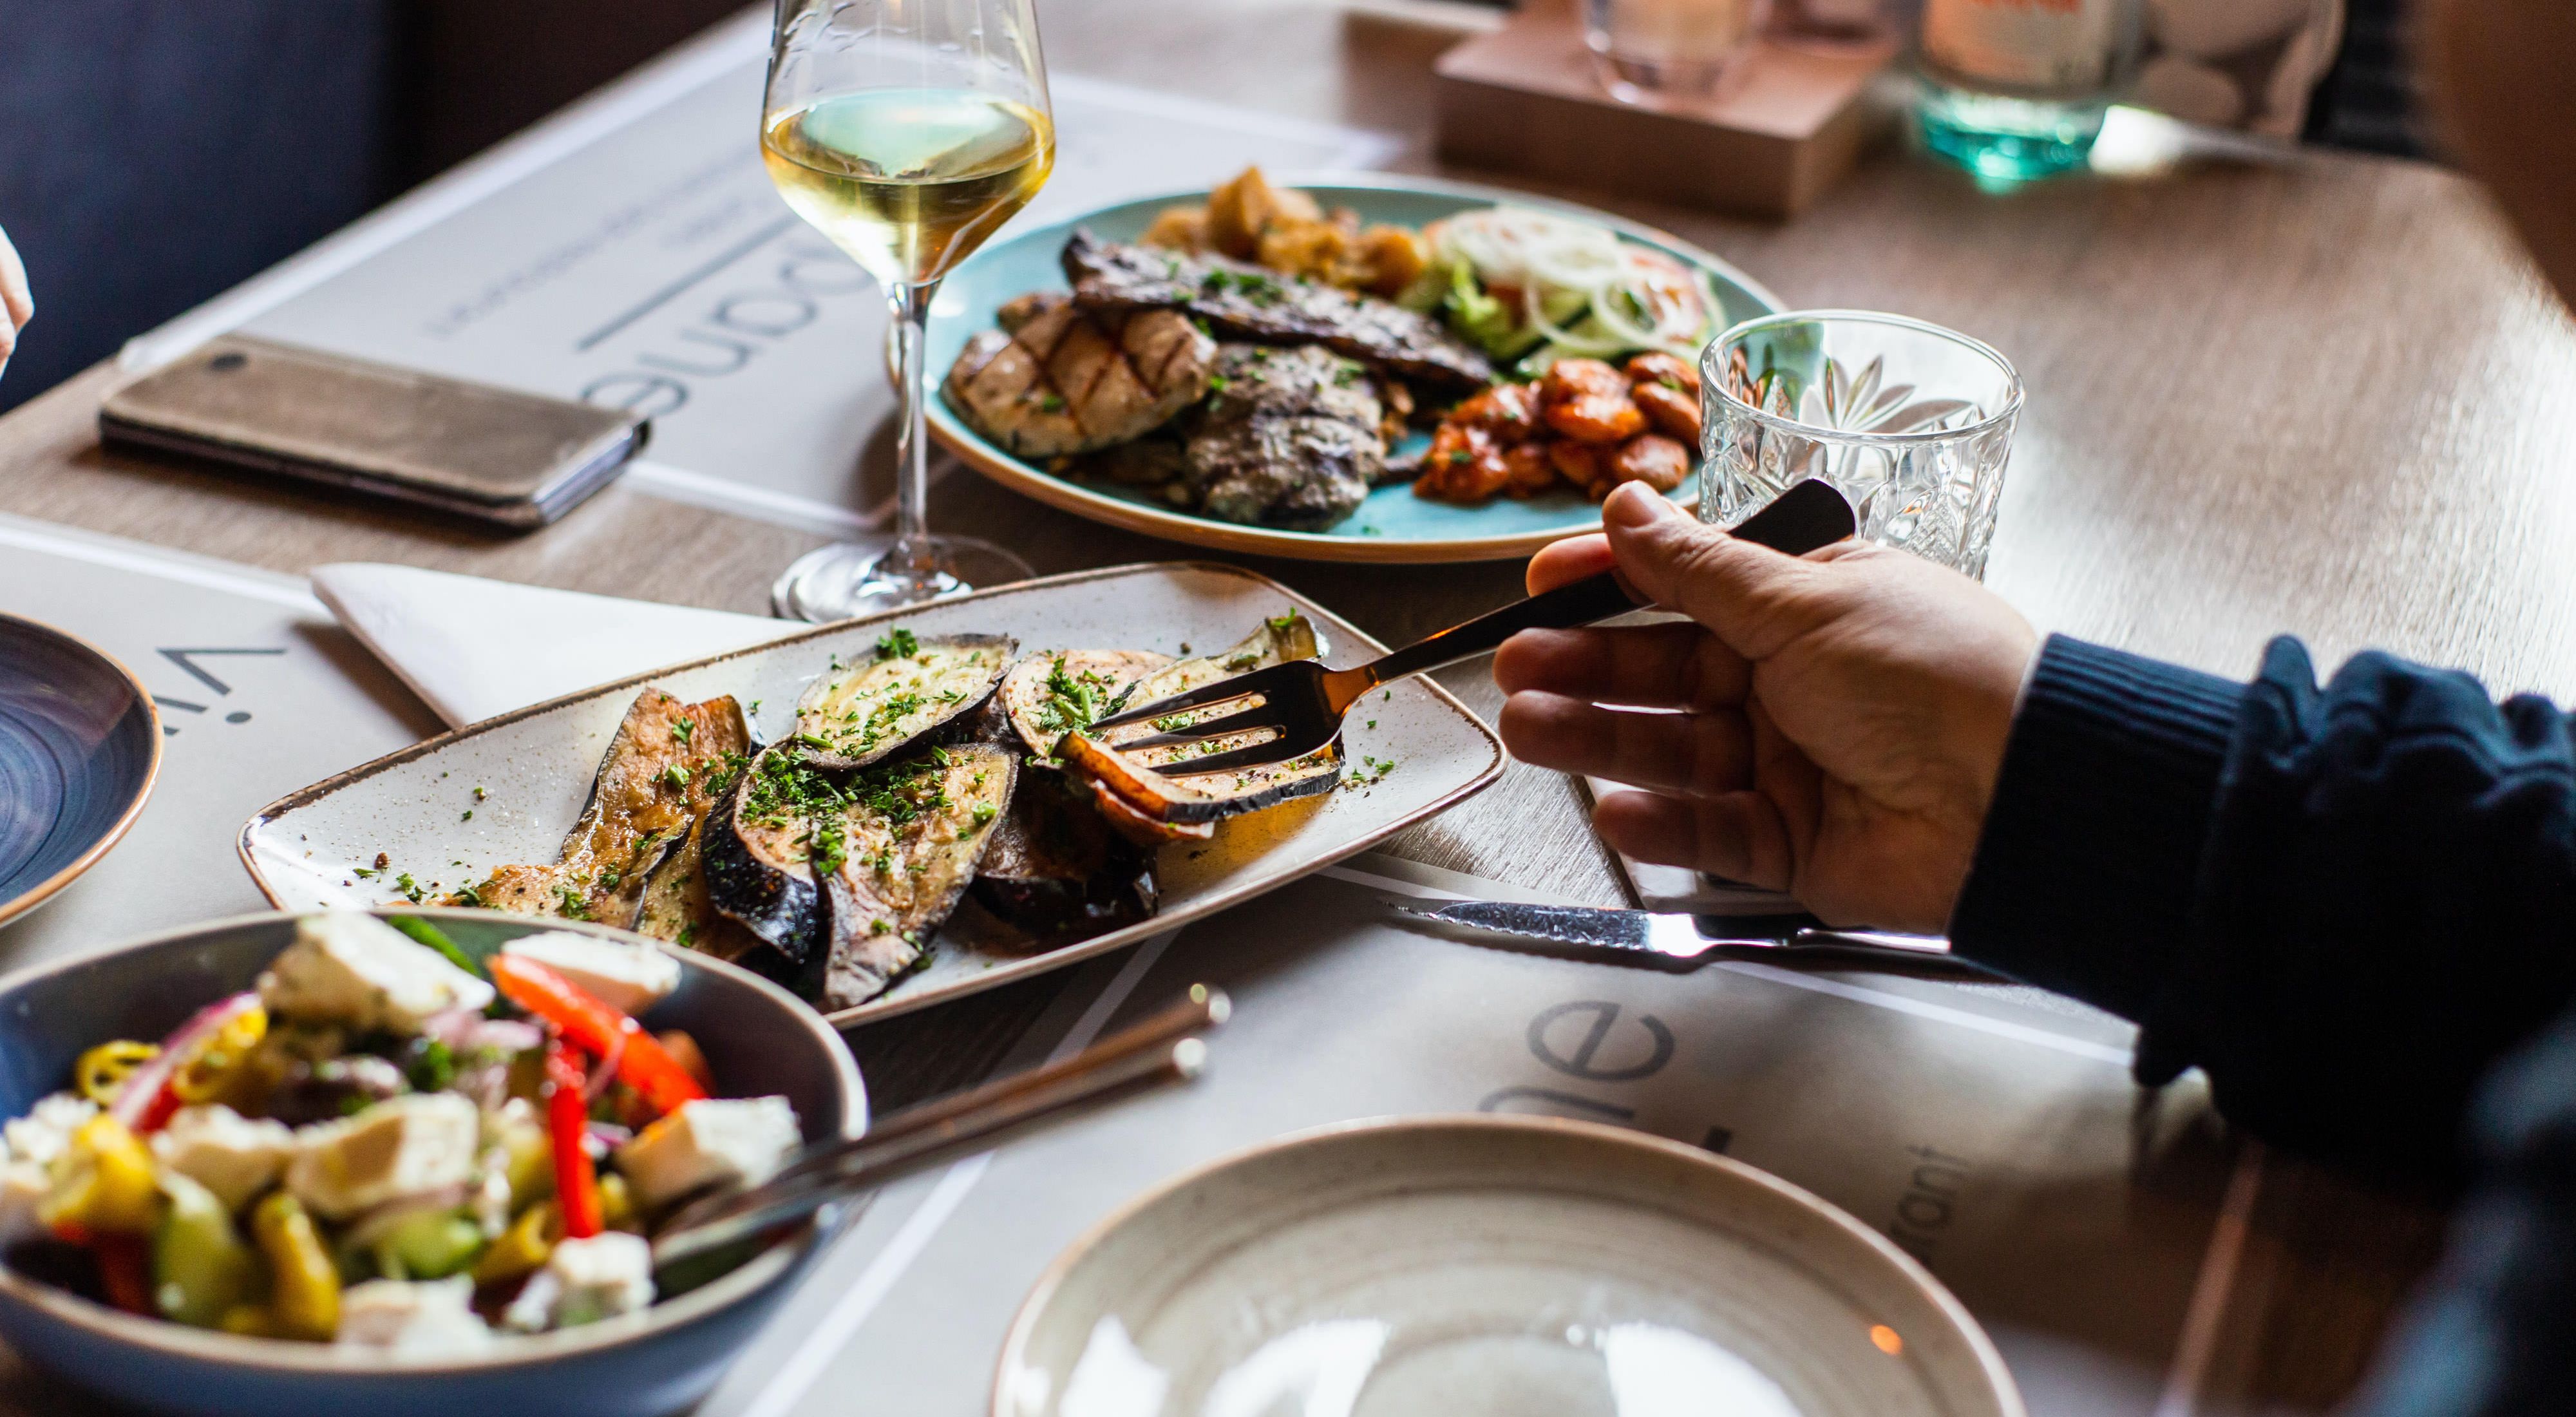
(632, 252)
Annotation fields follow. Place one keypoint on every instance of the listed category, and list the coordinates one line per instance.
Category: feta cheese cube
(731, 1141)
(585, 1281)
(22, 1188)
(627, 977)
(431, 1318)
(357, 970)
(47, 1129)
(223, 1151)
(404, 1147)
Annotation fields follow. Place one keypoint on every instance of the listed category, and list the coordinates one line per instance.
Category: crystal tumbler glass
(1913, 423)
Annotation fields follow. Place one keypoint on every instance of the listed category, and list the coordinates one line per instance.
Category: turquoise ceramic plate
(1393, 525)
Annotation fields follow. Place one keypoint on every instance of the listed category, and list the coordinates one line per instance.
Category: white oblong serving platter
(1497, 1265)
(524, 776)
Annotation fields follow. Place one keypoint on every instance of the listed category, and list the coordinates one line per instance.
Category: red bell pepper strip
(642, 1063)
(567, 1122)
(125, 1271)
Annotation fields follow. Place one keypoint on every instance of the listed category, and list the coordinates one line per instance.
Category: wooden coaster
(1526, 98)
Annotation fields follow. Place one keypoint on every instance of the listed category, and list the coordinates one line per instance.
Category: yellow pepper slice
(205, 1077)
(304, 1286)
(524, 1247)
(103, 1182)
(101, 1072)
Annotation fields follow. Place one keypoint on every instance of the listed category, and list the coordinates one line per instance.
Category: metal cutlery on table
(1163, 1049)
(1302, 702)
(1676, 940)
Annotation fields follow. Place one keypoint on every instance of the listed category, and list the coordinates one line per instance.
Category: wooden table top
(2324, 395)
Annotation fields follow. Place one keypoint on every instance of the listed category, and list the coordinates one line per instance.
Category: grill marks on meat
(1060, 379)
(1291, 438)
(1248, 302)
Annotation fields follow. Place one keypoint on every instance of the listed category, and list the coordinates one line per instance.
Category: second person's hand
(1840, 718)
(17, 307)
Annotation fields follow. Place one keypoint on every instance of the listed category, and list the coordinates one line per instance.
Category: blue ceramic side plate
(1393, 526)
(80, 744)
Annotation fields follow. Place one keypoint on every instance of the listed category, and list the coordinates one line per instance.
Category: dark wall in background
(155, 152)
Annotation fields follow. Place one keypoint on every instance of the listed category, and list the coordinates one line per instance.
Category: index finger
(1565, 562)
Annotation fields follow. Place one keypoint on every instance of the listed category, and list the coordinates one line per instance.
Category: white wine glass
(907, 132)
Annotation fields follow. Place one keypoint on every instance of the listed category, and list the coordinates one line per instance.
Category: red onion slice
(136, 1097)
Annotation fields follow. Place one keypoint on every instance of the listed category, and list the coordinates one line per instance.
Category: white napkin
(472, 648)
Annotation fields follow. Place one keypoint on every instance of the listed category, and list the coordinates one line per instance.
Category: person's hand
(1841, 717)
(17, 307)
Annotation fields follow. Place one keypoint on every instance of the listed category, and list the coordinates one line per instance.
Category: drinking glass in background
(907, 132)
(2014, 91)
(1831, 24)
(1677, 48)
(1913, 423)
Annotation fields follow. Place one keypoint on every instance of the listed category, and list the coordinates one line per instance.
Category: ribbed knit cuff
(2083, 878)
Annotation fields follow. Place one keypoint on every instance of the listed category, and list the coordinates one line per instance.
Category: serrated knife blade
(1643, 935)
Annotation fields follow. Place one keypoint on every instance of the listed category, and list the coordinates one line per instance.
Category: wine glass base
(845, 580)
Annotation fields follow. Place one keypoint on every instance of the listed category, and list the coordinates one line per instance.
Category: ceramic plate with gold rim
(80, 745)
(446, 812)
(1392, 525)
(1505, 1266)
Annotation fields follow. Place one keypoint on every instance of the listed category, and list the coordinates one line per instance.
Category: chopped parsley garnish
(985, 812)
(480, 794)
(574, 906)
(681, 728)
(1052, 403)
(898, 643)
(411, 889)
(675, 776)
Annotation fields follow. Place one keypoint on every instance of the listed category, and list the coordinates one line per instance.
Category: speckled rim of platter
(96, 852)
(899, 1002)
(1901, 1271)
(1307, 545)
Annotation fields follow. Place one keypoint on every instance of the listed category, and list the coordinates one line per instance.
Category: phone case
(512, 459)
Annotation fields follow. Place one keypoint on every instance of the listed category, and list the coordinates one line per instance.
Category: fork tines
(1239, 686)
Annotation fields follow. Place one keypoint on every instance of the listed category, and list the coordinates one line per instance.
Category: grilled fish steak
(1292, 439)
(898, 855)
(1067, 380)
(663, 771)
(903, 698)
(1245, 301)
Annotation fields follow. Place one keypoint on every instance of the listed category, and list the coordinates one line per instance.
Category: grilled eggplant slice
(1053, 692)
(900, 700)
(1279, 640)
(1173, 797)
(756, 852)
(897, 855)
(663, 771)
(677, 907)
(1056, 868)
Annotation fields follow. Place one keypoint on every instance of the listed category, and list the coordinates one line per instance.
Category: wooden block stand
(1526, 98)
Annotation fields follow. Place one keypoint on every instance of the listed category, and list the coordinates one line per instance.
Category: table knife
(1669, 938)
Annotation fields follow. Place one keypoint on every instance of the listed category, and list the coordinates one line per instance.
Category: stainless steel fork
(1302, 702)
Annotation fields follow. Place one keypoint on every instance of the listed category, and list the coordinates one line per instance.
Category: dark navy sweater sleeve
(2354, 907)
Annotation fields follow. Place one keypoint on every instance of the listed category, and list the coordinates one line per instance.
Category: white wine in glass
(907, 132)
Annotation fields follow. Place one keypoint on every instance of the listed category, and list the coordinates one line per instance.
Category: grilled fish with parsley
(895, 856)
(1058, 379)
(662, 772)
(901, 699)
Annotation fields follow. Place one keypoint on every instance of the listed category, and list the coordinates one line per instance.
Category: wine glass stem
(912, 551)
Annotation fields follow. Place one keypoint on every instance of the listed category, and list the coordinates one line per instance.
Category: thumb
(1754, 599)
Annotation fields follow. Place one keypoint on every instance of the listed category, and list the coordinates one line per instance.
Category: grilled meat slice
(1291, 438)
(1247, 302)
(1058, 379)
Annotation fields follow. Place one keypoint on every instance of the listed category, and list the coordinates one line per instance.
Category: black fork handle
(1807, 516)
